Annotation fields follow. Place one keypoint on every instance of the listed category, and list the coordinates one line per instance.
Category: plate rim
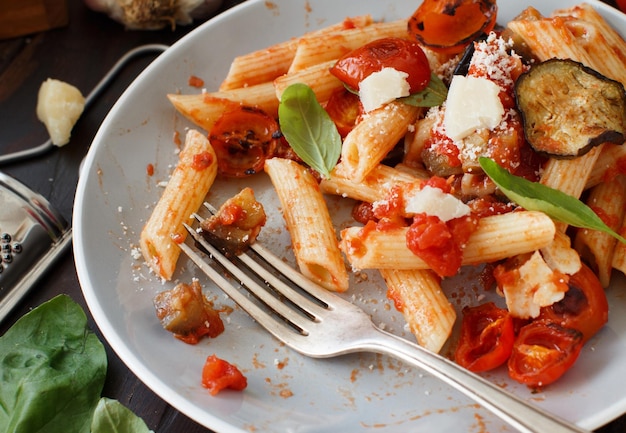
(120, 347)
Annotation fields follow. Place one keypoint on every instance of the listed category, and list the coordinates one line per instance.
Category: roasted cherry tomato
(344, 108)
(584, 306)
(400, 54)
(487, 335)
(243, 137)
(448, 26)
(218, 374)
(542, 352)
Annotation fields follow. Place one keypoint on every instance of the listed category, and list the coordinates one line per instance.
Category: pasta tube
(269, 63)
(608, 199)
(203, 109)
(373, 137)
(425, 307)
(374, 187)
(312, 233)
(188, 186)
(496, 237)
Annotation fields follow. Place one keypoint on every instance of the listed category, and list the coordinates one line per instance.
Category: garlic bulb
(154, 14)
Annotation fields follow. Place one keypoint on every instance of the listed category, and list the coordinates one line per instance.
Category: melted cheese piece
(382, 87)
(433, 201)
(473, 103)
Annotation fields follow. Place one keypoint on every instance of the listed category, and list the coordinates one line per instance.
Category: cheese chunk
(473, 103)
(435, 202)
(382, 87)
(536, 287)
(59, 105)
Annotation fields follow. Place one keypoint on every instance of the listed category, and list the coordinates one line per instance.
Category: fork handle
(510, 408)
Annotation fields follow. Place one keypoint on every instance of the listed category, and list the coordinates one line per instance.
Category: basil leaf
(308, 128)
(53, 370)
(432, 96)
(536, 196)
(111, 416)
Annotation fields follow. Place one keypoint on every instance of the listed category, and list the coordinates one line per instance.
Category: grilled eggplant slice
(568, 108)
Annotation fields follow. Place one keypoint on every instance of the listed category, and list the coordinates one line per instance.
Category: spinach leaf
(111, 416)
(433, 95)
(308, 128)
(52, 370)
(536, 196)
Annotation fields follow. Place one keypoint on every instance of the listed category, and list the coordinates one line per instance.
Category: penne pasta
(320, 48)
(608, 200)
(203, 109)
(429, 314)
(375, 186)
(496, 237)
(317, 77)
(265, 65)
(570, 175)
(619, 253)
(373, 137)
(188, 186)
(549, 38)
(604, 46)
(610, 162)
(260, 66)
(415, 141)
(312, 233)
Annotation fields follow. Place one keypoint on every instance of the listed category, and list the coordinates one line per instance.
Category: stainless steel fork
(319, 324)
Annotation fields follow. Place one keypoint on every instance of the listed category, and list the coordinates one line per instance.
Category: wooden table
(80, 54)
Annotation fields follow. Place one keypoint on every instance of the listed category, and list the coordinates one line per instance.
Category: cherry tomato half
(542, 352)
(243, 137)
(487, 335)
(621, 4)
(344, 108)
(400, 54)
(584, 306)
(448, 26)
(218, 374)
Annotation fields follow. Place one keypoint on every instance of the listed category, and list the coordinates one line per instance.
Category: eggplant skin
(568, 108)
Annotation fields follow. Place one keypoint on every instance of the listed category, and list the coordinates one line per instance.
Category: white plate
(286, 392)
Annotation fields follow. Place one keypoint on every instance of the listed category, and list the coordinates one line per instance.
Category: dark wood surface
(80, 54)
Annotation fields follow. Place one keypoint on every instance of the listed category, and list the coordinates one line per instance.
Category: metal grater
(32, 235)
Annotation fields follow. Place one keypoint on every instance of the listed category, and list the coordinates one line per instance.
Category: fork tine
(320, 294)
(260, 290)
(263, 317)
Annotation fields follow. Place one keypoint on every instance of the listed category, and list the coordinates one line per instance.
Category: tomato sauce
(202, 161)
(195, 81)
(440, 244)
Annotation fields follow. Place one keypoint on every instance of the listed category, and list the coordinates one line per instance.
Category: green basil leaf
(308, 128)
(432, 96)
(53, 369)
(111, 416)
(554, 203)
